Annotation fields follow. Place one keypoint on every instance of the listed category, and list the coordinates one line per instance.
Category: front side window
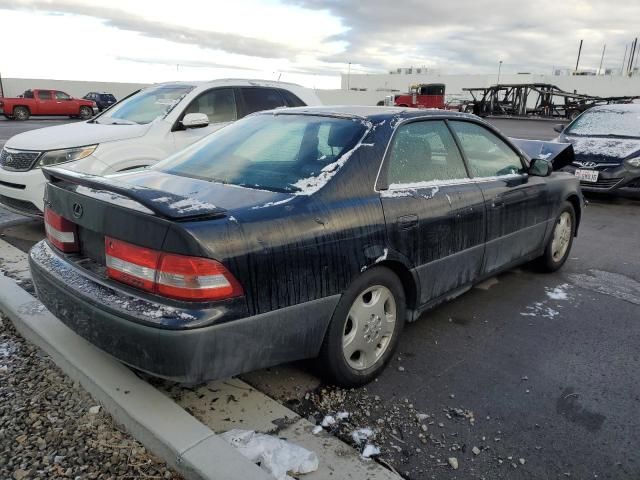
(218, 104)
(62, 96)
(283, 153)
(488, 155)
(44, 95)
(257, 99)
(423, 152)
(146, 105)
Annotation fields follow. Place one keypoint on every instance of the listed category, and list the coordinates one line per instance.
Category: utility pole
(632, 55)
(624, 58)
(349, 77)
(499, 70)
(1, 87)
(602, 58)
(636, 63)
(578, 60)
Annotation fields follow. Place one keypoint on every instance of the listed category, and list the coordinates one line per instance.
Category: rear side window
(62, 96)
(107, 97)
(44, 95)
(218, 104)
(488, 155)
(258, 98)
(291, 99)
(423, 152)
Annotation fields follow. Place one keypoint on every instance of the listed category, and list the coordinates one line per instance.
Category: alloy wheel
(561, 237)
(369, 327)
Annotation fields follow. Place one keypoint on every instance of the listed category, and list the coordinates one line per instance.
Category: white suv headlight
(634, 162)
(55, 157)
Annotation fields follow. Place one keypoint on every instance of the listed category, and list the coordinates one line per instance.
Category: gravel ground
(51, 428)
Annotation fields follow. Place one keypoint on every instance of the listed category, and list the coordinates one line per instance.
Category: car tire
(21, 113)
(364, 329)
(559, 245)
(85, 113)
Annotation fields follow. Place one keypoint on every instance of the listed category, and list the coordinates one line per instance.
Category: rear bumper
(115, 322)
(612, 180)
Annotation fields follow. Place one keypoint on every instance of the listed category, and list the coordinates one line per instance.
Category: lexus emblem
(77, 210)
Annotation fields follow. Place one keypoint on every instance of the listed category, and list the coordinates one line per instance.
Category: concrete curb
(156, 421)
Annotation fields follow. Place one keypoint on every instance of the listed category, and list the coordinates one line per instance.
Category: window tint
(423, 152)
(257, 99)
(62, 96)
(28, 94)
(291, 99)
(488, 156)
(218, 104)
(44, 95)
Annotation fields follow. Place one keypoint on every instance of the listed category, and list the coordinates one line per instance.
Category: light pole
(349, 77)
(499, 69)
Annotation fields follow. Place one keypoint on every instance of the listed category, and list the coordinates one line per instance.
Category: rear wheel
(85, 113)
(364, 329)
(559, 245)
(21, 113)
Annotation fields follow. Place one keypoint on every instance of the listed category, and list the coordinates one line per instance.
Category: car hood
(602, 149)
(74, 135)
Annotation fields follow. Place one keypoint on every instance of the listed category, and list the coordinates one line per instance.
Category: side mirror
(559, 127)
(195, 120)
(540, 168)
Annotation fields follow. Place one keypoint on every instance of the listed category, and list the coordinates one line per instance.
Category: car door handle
(406, 222)
(497, 202)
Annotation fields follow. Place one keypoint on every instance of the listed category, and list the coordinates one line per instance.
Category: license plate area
(587, 175)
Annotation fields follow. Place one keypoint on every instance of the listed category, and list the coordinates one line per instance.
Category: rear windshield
(146, 105)
(282, 153)
(606, 122)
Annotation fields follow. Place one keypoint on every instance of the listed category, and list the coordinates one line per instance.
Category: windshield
(606, 123)
(146, 105)
(282, 153)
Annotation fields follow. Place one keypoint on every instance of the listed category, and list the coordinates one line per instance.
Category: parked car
(606, 142)
(103, 99)
(292, 234)
(46, 102)
(140, 130)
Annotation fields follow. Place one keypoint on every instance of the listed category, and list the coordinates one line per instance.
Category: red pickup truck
(46, 102)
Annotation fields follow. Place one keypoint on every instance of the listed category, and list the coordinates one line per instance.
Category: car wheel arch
(575, 202)
(399, 265)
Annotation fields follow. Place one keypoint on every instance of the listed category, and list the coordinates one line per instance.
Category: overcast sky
(305, 41)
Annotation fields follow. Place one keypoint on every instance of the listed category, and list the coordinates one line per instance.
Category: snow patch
(558, 293)
(361, 435)
(370, 451)
(186, 205)
(274, 455)
(382, 257)
(272, 204)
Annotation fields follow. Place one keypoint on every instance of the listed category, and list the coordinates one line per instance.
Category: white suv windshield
(146, 105)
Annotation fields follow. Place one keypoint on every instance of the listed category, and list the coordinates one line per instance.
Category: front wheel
(364, 329)
(559, 245)
(85, 113)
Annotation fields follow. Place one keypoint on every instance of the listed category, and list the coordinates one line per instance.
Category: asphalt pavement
(539, 372)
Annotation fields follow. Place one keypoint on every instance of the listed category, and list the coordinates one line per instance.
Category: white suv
(138, 131)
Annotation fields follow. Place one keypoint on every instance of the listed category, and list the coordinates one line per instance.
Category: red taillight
(169, 275)
(131, 264)
(62, 233)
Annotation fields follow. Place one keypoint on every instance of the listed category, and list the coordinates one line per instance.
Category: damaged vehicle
(296, 233)
(606, 142)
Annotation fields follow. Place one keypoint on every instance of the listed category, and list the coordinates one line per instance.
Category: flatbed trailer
(533, 99)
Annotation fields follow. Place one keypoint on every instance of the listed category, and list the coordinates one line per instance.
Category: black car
(296, 233)
(103, 100)
(606, 143)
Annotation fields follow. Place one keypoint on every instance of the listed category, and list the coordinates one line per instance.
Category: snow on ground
(274, 455)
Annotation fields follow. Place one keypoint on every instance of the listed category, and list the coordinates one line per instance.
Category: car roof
(241, 82)
(618, 107)
(371, 112)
